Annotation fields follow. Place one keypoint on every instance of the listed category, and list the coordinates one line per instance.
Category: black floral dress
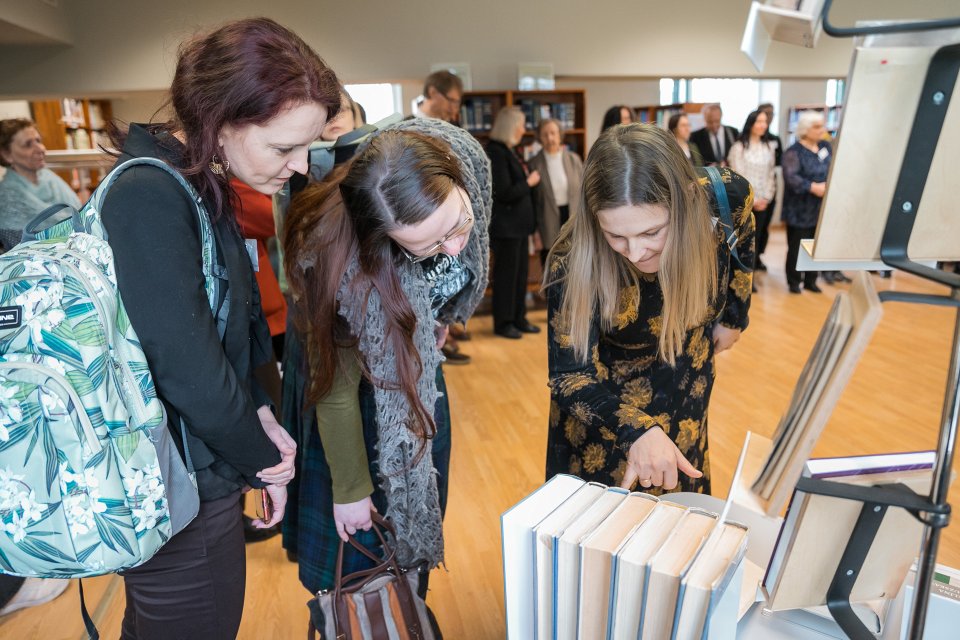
(599, 409)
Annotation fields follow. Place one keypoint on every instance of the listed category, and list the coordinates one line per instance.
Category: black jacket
(513, 215)
(701, 138)
(155, 237)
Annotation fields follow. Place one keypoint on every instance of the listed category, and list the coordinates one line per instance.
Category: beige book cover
(630, 564)
(567, 591)
(596, 562)
(708, 576)
(666, 569)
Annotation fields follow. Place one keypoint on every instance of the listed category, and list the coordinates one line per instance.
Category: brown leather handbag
(380, 603)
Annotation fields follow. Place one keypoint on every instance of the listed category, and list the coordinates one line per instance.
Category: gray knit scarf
(410, 484)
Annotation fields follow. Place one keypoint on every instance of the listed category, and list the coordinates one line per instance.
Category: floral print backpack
(90, 479)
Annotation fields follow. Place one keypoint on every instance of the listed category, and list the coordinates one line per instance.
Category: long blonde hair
(629, 165)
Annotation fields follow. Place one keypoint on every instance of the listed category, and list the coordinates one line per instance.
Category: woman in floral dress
(642, 292)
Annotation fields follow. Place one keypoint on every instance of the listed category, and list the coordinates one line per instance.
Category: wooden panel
(867, 159)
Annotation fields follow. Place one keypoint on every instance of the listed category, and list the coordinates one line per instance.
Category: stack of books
(586, 561)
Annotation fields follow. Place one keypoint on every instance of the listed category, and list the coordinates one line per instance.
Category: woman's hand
(655, 461)
(760, 204)
(537, 241)
(278, 501)
(353, 516)
(282, 473)
(818, 188)
(441, 331)
(533, 179)
(724, 337)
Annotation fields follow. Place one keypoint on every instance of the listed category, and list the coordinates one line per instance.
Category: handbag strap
(726, 218)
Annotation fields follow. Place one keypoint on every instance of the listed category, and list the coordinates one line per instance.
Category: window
(378, 100)
(737, 96)
(835, 92)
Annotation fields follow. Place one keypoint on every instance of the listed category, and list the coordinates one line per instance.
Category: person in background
(350, 117)
(679, 126)
(617, 114)
(715, 139)
(28, 187)
(229, 119)
(763, 222)
(806, 164)
(380, 258)
(558, 197)
(754, 157)
(442, 96)
(642, 293)
(512, 223)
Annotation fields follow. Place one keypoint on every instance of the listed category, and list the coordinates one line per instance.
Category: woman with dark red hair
(247, 100)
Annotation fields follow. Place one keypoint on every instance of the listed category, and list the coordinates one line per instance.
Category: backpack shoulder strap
(726, 218)
(214, 274)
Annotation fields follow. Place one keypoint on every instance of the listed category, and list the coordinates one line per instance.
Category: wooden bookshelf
(659, 114)
(831, 118)
(78, 124)
(480, 108)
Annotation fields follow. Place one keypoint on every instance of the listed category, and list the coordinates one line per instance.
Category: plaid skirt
(308, 528)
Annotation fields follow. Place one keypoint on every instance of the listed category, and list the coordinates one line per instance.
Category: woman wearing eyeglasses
(390, 247)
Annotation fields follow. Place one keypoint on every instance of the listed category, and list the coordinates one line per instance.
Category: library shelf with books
(660, 114)
(74, 124)
(831, 118)
(479, 108)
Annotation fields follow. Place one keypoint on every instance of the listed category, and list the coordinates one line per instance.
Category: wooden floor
(499, 405)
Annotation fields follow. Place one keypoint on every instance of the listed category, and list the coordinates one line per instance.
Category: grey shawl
(21, 201)
(410, 485)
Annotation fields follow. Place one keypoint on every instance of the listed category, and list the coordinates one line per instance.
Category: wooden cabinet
(74, 124)
(831, 119)
(479, 109)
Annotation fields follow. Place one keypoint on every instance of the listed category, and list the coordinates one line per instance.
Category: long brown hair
(630, 165)
(245, 72)
(399, 179)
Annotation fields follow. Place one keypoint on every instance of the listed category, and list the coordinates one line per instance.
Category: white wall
(131, 46)
(39, 21)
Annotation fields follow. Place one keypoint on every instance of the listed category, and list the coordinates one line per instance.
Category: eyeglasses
(453, 101)
(437, 247)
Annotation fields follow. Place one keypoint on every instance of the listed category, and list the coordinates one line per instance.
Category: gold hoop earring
(219, 168)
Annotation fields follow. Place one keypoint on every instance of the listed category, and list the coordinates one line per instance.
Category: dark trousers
(193, 587)
(564, 216)
(9, 585)
(794, 236)
(762, 222)
(510, 266)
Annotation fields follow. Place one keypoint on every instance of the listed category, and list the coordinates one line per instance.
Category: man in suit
(715, 139)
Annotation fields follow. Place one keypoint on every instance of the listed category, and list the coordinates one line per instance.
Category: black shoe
(253, 534)
(292, 556)
(527, 327)
(760, 266)
(454, 356)
(753, 288)
(813, 287)
(509, 331)
(838, 276)
(828, 277)
(795, 288)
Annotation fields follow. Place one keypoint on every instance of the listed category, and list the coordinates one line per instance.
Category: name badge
(823, 154)
(253, 254)
(11, 317)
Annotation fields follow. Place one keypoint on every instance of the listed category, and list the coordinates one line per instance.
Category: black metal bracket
(924, 136)
(896, 27)
(876, 500)
(919, 298)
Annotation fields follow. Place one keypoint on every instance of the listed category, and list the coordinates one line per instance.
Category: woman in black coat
(512, 222)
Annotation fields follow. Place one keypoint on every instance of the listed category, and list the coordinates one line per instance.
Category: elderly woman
(805, 167)
(560, 171)
(679, 126)
(28, 186)
(511, 223)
